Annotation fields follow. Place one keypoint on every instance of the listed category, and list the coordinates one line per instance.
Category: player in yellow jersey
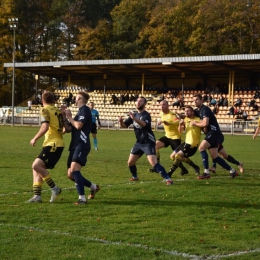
(172, 136)
(53, 145)
(192, 141)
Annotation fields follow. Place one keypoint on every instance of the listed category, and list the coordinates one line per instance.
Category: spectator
(213, 102)
(114, 99)
(255, 107)
(68, 99)
(220, 100)
(238, 103)
(122, 99)
(257, 95)
(244, 115)
(29, 104)
(225, 102)
(251, 103)
(231, 110)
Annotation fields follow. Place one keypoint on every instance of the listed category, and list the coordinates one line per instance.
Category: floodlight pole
(105, 79)
(182, 85)
(13, 23)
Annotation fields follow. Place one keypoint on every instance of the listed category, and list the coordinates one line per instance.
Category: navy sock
(205, 159)
(79, 179)
(159, 168)
(214, 165)
(222, 163)
(133, 171)
(232, 160)
(76, 185)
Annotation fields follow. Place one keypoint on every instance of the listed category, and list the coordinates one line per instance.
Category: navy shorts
(79, 156)
(174, 143)
(187, 149)
(93, 129)
(140, 149)
(50, 155)
(213, 139)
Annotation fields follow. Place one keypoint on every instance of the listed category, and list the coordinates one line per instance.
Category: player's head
(91, 105)
(82, 98)
(48, 97)
(164, 105)
(189, 112)
(198, 100)
(140, 103)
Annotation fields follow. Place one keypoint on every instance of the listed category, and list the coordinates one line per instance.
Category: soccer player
(53, 145)
(172, 137)
(257, 129)
(192, 140)
(145, 140)
(79, 126)
(210, 142)
(95, 119)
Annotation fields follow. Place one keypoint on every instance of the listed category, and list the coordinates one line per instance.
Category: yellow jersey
(259, 122)
(53, 116)
(171, 130)
(192, 132)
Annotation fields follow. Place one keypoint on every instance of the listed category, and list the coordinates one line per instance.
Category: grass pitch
(217, 218)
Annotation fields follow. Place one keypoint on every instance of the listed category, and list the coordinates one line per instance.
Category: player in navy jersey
(95, 119)
(145, 140)
(79, 148)
(211, 140)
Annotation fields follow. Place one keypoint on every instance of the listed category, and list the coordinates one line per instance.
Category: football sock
(49, 181)
(214, 165)
(133, 171)
(158, 156)
(93, 186)
(222, 163)
(159, 168)
(79, 179)
(37, 188)
(95, 142)
(82, 197)
(205, 159)
(181, 166)
(190, 162)
(231, 159)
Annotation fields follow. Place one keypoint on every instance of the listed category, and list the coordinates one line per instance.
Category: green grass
(192, 219)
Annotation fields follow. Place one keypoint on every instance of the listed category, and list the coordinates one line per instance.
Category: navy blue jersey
(205, 111)
(144, 135)
(81, 137)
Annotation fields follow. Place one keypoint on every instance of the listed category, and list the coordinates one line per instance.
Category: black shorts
(140, 149)
(50, 155)
(213, 138)
(93, 129)
(79, 156)
(174, 143)
(187, 149)
(220, 142)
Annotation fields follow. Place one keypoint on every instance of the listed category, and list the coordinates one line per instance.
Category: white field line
(146, 247)
(173, 252)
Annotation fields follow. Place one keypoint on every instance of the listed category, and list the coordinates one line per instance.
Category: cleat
(241, 167)
(233, 174)
(80, 202)
(169, 182)
(204, 176)
(37, 199)
(184, 171)
(134, 179)
(212, 169)
(55, 192)
(152, 170)
(96, 148)
(92, 194)
(197, 170)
